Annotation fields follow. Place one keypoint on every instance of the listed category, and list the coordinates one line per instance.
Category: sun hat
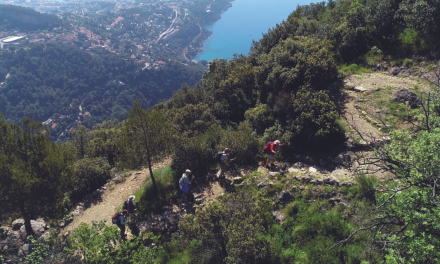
(131, 197)
(277, 142)
(188, 171)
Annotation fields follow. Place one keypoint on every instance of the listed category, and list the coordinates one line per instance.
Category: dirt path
(113, 197)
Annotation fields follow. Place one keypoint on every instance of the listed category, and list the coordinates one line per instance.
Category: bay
(240, 24)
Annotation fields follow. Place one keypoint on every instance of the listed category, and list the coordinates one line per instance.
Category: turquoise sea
(244, 21)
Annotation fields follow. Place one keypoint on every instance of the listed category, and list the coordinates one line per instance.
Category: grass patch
(342, 125)
(407, 62)
(166, 186)
(380, 103)
(429, 67)
(353, 69)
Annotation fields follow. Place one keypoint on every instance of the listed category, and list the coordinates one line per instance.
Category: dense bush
(90, 174)
(192, 120)
(196, 154)
(315, 116)
(297, 62)
(241, 143)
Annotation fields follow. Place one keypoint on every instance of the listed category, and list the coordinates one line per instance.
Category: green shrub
(342, 125)
(374, 56)
(259, 117)
(367, 187)
(196, 154)
(241, 144)
(343, 190)
(407, 62)
(315, 116)
(91, 174)
(353, 69)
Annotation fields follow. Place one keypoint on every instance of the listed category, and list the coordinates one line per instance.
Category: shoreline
(218, 17)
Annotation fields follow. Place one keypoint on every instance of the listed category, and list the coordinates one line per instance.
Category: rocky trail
(113, 196)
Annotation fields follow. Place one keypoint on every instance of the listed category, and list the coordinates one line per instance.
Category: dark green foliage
(99, 243)
(196, 154)
(367, 187)
(239, 228)
(35, 172)
(91, 174)
(241, 143)
(49, 79)
(297, 62)
(146, 136)
(354, 27)
(26, 19)
(259, 117)
(228, 230)
(192, 120)
(315, 115)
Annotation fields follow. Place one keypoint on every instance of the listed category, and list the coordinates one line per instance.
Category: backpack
(218, 156)
(181, 182)
(266, 148)
(115, 218)
(126, 205)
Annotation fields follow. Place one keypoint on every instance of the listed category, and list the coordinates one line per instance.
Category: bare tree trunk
(27, 219)
(156, 193)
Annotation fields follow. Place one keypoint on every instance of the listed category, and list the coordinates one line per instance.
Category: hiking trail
(113, 197)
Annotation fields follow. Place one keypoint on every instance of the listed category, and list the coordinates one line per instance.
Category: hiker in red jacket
(271, 150)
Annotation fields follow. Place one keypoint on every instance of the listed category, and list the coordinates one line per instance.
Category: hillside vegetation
(26, 19)
(54, 81)
(288, 88)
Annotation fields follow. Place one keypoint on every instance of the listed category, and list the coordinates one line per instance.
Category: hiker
(121, 224)
(184, 183)
(222, 158)
(270, 149)
(131, 208)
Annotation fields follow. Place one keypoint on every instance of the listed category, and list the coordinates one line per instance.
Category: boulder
(238, 180)
(306, 179)
(360, 89)
(261, 185)
(313, 170)
(262, 170)
(38, 228)
(395, 70)
(344, 157)
(330, 181)
(285, 197)
(341, 174)
(347, 184)
(25, 249)
(293, 170)
(275, 173)
(335, 200)
(405, 95)
(299, 165)
(325, 195)
(17, 224)
(279, 216)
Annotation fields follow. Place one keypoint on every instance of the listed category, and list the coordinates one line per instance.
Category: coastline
(205, 37)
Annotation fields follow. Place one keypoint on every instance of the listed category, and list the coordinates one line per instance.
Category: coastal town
(151, 32)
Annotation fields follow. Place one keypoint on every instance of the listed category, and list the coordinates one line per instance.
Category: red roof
(54, 125)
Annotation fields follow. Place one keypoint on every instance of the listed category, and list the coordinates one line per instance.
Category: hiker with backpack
(184, 183)
(131, 208)
(118, 219)
(270, 150)
(222, 159)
